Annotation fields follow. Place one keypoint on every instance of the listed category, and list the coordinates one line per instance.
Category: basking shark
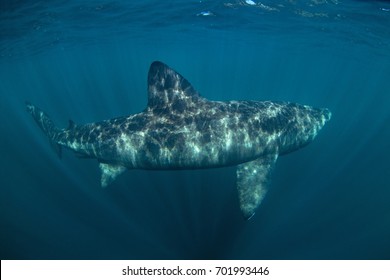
(180, 129)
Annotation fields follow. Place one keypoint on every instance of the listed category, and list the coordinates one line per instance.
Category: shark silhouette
(179, 129)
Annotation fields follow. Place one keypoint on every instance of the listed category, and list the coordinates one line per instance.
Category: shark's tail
(46, 124)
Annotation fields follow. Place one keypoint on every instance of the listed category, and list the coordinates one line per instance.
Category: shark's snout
(327, 114)
(319, 117)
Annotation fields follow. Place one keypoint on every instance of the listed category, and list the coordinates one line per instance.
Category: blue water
(88, 61)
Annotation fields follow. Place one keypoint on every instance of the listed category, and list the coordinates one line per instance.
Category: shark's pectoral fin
(110, 172)
(252, 181)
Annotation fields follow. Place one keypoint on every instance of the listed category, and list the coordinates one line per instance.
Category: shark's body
(179, 129)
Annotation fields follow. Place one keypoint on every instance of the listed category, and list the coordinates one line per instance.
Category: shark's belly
(188, 149)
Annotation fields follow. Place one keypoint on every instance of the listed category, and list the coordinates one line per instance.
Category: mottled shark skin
(179, 129)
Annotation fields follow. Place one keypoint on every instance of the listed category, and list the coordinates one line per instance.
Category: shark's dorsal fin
(252, 183)
(168, 91)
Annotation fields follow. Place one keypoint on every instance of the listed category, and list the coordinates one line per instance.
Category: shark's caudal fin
(46, 124)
